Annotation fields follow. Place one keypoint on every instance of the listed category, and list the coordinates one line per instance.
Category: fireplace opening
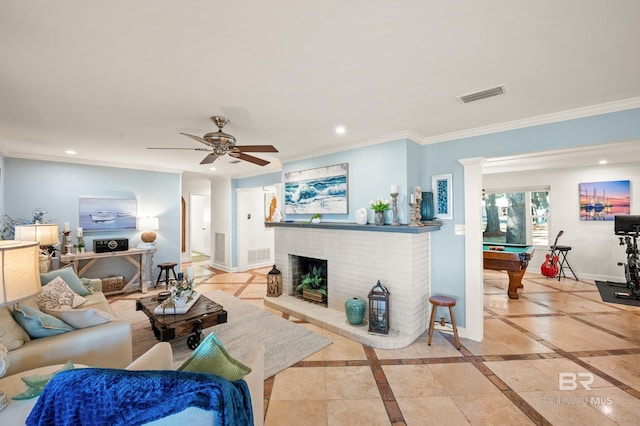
(309, 278)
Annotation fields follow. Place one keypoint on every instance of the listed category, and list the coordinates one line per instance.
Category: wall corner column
(474, 286)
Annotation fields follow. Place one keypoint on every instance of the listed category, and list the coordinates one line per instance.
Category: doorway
(200, 229)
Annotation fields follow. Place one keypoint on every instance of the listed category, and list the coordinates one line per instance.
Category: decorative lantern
(379, 309)
(274, 282)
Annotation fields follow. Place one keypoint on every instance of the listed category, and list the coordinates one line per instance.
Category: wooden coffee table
(203, 314)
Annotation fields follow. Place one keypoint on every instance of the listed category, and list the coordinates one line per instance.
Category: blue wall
(372, 171)
(57, 186)
(447, 254)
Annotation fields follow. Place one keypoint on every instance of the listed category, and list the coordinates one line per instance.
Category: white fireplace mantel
(357, 257)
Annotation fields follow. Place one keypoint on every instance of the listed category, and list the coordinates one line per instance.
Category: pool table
(512, 258)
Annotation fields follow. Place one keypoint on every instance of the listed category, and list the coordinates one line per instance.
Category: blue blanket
(99, 396)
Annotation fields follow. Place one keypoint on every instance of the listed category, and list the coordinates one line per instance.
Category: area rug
(285, 343)
(608, 289)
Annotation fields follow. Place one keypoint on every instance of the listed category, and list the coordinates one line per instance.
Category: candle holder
(394, 208)
(415, 209)
(68, 247)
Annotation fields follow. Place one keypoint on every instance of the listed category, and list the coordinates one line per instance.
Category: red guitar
(550, 266)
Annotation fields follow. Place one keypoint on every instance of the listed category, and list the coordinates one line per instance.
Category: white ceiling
(112, 78)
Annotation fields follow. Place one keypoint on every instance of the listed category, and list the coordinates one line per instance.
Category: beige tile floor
(557, 329)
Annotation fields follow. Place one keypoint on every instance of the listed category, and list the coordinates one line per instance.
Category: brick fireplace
(357, 257)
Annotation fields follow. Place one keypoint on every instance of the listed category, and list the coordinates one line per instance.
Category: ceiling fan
(220, 143)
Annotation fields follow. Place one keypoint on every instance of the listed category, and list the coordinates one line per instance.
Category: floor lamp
(44, 233)
(19, 279)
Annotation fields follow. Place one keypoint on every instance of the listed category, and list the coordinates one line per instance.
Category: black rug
(608, 289)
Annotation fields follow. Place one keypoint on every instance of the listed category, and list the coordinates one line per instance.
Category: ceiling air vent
(494, 91)
(234, 161)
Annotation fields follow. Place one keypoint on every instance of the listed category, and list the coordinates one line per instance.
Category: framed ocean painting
(107, 214)
(323, 190)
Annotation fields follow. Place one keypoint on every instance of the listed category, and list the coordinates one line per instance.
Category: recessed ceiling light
(70, 152)
(212, 168)
(341, 130)
(602, 162)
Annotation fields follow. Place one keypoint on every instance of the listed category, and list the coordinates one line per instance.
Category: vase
(426, 206)
(361, 216)
(354, 308)
(378, 218)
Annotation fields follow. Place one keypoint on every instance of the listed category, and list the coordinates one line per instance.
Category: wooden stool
(166, 267)
(448, 302)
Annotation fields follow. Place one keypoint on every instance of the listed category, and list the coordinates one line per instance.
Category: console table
(130, 255)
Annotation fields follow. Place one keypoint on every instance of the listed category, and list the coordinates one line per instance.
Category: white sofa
(159, 357)
(106, 345)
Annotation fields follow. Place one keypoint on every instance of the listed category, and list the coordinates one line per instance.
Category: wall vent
(219, 255)
(234, 161)
(483, 94)
(258, 255)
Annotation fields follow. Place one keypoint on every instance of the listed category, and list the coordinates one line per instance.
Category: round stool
(447, 302)
(166, 267)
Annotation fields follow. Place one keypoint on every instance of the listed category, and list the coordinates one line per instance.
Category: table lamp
(46, 234)
(19, 279)
(148, 225)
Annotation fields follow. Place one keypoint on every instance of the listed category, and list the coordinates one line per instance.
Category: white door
(200, 216)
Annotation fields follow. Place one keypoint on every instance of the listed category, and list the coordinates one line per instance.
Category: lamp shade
(148, 224)
(19, 270)
(44, 233)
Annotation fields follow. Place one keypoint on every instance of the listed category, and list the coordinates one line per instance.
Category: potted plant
(315, 218)
(313, 285)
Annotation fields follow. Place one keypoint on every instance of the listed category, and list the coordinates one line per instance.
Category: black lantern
(274, 282)
(379, 309)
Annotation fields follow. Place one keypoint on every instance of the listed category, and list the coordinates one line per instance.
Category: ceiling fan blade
(209, 159)
(188, 149)
(250, 158)
(196, 138)
(256, 148)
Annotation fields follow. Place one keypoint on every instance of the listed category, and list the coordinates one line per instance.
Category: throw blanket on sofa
(100, 396)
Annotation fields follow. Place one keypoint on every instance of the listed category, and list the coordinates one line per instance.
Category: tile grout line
(386, 393)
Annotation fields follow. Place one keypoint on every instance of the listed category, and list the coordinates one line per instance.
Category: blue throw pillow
(69, 276)
(38, 324)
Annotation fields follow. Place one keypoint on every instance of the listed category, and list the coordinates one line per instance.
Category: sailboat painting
(322, 190)
(604, 200)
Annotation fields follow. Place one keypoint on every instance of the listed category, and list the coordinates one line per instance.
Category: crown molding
(555, 117)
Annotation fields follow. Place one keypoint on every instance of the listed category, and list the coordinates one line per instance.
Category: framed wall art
(442, 194)
(107, 214)
(604, 200)
(322, 190)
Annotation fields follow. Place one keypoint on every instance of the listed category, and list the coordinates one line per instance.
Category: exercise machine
(628, 230)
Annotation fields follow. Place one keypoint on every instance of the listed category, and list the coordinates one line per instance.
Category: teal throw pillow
(69, 276)
(36, 383)
(38, 324)
(210, 357)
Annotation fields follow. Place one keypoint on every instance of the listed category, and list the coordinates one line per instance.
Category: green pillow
(210, 357)
(69, 276)
(38, 324)
(35, 384)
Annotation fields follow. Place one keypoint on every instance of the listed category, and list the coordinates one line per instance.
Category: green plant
(182, 289)
(379, 205)
(314, 281)
(315, 216)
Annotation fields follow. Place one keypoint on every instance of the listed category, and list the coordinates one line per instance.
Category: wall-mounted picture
(107, 214)
(442, 187)
(604, 200)
(322, 190)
